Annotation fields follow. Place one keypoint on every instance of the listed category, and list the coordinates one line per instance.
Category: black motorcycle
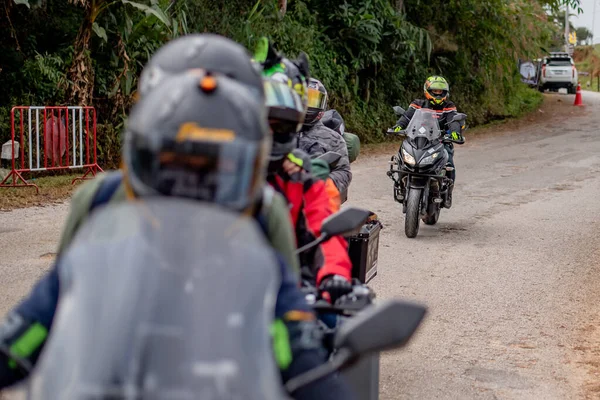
(363, 376)
(174, 299)
(419, 170)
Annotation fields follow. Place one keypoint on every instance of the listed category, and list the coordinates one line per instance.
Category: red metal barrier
(52, 126)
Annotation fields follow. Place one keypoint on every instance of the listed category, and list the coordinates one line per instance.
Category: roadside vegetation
(370, 54)
(587, 60)
(53, 189)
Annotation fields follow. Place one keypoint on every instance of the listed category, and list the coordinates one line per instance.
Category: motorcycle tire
(432, 219)
(413, 208)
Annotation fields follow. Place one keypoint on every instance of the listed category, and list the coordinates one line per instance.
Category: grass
(587, 59)
(584, 83)
(53, 190)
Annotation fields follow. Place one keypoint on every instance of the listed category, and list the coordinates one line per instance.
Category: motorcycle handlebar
(448, 140)
(354, 301)
(403, 133)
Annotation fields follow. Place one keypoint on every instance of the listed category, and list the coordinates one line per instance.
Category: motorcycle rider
(437, 93)
(197, 136)
(328, 266)
(220, 55)
(316, 139)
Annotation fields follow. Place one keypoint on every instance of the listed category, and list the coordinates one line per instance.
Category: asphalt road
(510, 273)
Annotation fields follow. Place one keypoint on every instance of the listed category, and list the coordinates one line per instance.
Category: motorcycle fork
(425, 198)
(407, 188)
(400, 192)
(407, 179)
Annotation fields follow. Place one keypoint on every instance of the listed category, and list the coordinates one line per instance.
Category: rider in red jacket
(309, 206)
(286, 94)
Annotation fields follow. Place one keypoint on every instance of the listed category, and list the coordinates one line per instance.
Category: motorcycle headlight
(410, 160)
(430, 159)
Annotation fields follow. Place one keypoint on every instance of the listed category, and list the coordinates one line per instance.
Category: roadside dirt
(53, 190)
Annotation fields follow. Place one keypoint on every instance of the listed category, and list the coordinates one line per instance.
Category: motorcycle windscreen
(424, 123)
(163, 299)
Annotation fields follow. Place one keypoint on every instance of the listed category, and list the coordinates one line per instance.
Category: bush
(370, 54)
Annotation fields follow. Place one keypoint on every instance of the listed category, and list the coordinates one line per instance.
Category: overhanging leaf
(149, 10)
(160, 14)
(25, 2)
(128, 83)
(100, 31)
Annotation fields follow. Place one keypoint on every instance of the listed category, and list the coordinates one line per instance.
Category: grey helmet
(208, 51)
(198, 136)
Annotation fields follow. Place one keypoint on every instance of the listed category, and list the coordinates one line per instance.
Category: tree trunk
(282, 7)
(81, 72)
(400, 5)
(7, 8)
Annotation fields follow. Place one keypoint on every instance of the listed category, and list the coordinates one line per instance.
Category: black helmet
(214, 53)
(198, 136)
(317, 102)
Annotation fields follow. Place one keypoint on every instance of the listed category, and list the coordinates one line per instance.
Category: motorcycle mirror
(379, 327)
(344, 221)
(331, 158)
(459, 117)
(399, 111)
(382, 326)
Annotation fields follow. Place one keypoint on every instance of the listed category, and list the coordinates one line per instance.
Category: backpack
(111, 183)
(106, 190)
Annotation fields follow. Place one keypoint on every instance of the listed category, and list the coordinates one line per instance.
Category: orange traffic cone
(578, 99)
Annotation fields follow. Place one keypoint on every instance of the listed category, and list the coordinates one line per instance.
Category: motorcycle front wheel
(413, 208)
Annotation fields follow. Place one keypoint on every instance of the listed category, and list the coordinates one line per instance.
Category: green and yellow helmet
(436, 89)
(286, 95)
(275, 64)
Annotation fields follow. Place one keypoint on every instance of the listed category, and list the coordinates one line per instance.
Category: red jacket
(309, 206)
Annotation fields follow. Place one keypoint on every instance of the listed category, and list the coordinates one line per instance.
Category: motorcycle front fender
(417, 182)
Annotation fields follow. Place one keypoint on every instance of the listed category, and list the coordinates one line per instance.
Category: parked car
(558, 71)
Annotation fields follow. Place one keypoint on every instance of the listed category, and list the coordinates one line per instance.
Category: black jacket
(447, 111)
(318, 140)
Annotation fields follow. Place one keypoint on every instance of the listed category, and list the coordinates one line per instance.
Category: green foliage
(370, 54)
(584, 35)
(47, 72)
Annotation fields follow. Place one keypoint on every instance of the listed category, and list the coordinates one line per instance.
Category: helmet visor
(316, 99)
(280, 95)
(441, 86)
(286, 112)
(222, 172)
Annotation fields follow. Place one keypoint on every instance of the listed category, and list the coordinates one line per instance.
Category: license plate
(559, 72)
